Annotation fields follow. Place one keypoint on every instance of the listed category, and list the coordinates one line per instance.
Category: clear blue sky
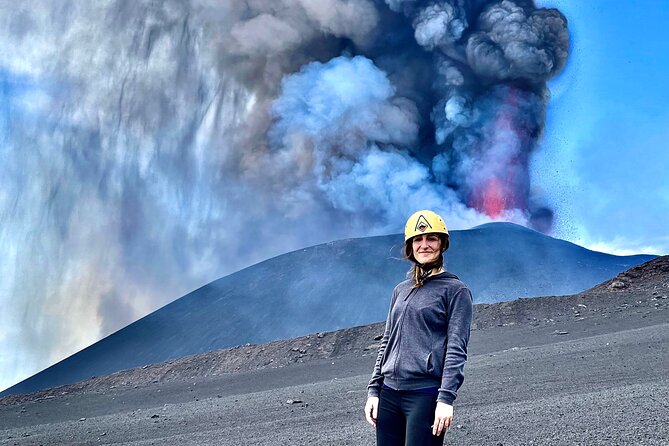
(604, 164)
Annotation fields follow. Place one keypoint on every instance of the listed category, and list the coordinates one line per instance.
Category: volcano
(550, 370)
(329, 287)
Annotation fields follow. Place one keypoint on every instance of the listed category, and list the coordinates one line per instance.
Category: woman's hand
(372, 409)
(443, 416)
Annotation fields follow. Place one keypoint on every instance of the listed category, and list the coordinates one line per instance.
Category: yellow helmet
(424, 222)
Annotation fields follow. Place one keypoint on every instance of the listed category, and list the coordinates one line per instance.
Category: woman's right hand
(372, 409)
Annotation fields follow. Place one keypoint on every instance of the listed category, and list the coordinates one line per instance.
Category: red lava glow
(503, 189)
(491, 198)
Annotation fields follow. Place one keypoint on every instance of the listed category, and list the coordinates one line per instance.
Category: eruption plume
(148, 148)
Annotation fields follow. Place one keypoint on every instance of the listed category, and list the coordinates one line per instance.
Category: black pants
(405, 419)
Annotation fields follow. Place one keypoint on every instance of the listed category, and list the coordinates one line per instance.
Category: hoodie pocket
(428, 364)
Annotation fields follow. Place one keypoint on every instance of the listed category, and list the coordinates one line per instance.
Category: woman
(420, 365)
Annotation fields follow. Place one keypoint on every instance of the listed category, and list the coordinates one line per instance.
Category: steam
(150, 148)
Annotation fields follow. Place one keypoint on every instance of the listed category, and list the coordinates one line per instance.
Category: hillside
(550, 370)
(363, 340)
(328, 287)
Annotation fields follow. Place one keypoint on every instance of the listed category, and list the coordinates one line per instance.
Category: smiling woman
(426, 248)
(420, 364)
(429, 240)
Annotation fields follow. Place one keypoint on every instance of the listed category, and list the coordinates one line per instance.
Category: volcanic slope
(328, 287)
(583, 369)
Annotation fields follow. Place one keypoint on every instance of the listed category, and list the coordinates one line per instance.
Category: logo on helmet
(422, 224)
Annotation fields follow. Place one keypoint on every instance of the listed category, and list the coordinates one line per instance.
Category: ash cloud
(148, 148)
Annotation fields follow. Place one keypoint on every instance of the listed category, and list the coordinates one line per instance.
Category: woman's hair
(418, 272)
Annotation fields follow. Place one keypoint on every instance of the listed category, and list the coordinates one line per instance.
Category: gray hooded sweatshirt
(425, 341)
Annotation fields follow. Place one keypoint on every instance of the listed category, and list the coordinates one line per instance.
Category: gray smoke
(151, 147)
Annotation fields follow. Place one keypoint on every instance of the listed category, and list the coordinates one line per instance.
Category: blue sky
(605, 157)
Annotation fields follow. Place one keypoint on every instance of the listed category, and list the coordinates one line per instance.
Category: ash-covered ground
(584, 369)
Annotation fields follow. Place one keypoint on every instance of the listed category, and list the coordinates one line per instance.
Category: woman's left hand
(443, 416)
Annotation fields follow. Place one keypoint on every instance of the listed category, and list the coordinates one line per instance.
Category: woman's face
(426, 248)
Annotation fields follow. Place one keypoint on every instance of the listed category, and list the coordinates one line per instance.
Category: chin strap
(427, 268)
(424, 275)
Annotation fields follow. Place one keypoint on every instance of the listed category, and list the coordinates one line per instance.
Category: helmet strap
(424, 274)
(427, 268)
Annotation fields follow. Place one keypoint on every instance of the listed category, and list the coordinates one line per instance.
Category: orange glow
(503, 188)
(491, 198)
